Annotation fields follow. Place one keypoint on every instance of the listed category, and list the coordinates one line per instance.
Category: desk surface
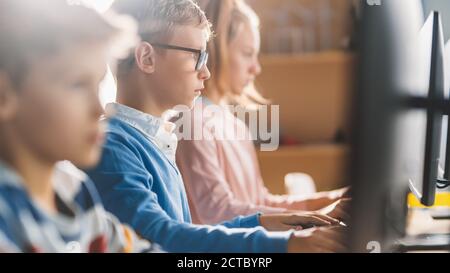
(419, 221)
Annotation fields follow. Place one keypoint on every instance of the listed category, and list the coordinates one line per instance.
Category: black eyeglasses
(202, 58)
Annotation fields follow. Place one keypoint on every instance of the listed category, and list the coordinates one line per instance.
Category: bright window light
(99, 5)
(108, 87)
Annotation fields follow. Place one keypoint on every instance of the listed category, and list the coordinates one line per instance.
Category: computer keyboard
(440, 213)
(424, 242)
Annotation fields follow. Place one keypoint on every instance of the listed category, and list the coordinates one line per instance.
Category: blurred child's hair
(33, 30)
(226, 17)
(157, 19)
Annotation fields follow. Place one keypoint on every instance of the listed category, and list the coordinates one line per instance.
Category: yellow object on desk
(442, 200)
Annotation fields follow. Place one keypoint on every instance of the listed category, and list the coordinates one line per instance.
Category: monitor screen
(389, 136)
(421, 150)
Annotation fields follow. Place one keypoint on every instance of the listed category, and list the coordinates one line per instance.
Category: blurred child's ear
(145, 57)
(8, 98)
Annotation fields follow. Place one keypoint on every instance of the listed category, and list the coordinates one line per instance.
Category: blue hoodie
(139, 182)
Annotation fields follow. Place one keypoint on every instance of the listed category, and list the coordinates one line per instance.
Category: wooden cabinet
(326, 163)
(313, 91)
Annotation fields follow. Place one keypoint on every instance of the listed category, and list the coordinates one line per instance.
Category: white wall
(443, 6)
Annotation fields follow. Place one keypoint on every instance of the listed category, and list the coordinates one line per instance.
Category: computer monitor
(426, 151)
(445, 140)
(395, 140)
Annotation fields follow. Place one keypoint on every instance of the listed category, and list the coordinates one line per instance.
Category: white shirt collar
(158, 130)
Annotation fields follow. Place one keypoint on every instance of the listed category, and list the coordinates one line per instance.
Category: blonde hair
(30, 30)
(157, 18)
(227, 17)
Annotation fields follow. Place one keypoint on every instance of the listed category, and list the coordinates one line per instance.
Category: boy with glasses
(138, 179)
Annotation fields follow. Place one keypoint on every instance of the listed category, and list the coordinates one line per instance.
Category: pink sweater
(222, 177)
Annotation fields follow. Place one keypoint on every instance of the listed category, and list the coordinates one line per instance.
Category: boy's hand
(298, 221)
(318, 240)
